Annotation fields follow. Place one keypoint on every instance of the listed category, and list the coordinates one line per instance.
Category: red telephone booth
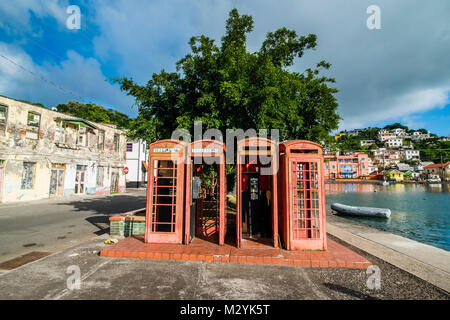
(165, 192)
(302, 196)
(256, 192)
(206, 198)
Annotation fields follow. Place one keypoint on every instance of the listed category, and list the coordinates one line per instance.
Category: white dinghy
(360, 211)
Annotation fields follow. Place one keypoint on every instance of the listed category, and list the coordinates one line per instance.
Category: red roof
(437, 165)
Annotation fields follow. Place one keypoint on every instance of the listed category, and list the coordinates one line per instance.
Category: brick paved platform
(200, 250)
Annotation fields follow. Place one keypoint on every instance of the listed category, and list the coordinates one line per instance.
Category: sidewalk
(426, 262)
(134, 278)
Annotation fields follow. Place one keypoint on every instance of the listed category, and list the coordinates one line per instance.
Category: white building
(399, 132)
(366, 142)
(417, 135)
(137, 157)
(394, 143)
(410, 155)
(384, 135)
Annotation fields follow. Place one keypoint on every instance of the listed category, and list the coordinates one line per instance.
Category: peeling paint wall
(54, 147)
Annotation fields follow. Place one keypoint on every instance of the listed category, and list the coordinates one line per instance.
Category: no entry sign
(125, 170)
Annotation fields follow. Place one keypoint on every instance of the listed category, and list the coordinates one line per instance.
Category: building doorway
(57, 180)
(114, 181)
(80, 179)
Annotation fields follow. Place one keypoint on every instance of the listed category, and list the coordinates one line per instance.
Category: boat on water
(384, 183)
(360, 211)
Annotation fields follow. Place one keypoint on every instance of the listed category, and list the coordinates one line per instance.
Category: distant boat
(360, 211)
(384, 183)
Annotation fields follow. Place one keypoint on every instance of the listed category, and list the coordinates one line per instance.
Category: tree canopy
(227, 87)
(95, 113)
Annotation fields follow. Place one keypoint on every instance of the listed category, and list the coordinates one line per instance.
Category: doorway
(256, 204)
(80, 179)
(114, 188)
(57, 180)
(205, 201)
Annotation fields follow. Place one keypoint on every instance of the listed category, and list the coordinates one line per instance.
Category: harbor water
(419, 212)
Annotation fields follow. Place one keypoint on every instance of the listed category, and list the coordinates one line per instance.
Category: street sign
(125, 170)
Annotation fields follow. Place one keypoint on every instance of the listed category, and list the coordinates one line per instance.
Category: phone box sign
(171, 150)
(205, 150)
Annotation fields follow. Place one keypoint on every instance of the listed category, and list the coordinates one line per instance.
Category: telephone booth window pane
(306, 220)
(164, 196)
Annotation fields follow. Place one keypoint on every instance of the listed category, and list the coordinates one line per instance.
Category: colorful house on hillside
(395, 175)
(354, 166)
(441, 170)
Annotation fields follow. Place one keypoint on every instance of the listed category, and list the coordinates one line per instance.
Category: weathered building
(44, 153)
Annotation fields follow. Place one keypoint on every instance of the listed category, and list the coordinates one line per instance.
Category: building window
(129, 147)
(116, 143)
(33, 124)
(3, 117)
(81, 141)
(100, 175)
(28, 175)
(59, 132)
(101, 140)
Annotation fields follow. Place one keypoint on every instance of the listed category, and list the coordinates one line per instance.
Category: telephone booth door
(206, 199)
(302, 200)
(165, 192)
(256, 192)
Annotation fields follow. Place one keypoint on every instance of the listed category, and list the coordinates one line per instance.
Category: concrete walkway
(127, 278)
(426, 262)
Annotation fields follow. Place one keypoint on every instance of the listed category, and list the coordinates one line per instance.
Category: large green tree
(228, 87)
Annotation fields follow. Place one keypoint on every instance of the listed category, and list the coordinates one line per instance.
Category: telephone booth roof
(299, 144)
(167, 147)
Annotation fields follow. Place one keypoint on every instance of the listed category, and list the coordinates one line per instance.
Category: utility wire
(42, 78)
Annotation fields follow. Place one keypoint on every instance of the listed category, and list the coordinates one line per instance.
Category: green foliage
(95, 113)
(351, 143)
(33, 103)
(396, 126)
(433, 150)
(228, 87)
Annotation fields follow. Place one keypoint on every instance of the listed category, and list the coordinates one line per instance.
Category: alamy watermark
(73, 22)
(265, 147)
(74, 280)
(374, 280)
(374, 20)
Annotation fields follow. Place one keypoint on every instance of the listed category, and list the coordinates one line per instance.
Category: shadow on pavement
(105, 207)
(348, 291)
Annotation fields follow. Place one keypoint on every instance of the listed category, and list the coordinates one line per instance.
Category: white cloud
(81, 76)
(19, 12)
(398, 71)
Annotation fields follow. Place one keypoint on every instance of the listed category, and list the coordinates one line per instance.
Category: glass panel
(164, 196)
(306, 200)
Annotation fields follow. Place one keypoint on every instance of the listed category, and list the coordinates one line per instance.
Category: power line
(43, 79)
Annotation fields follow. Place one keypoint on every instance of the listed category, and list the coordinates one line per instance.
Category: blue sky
(396, 74)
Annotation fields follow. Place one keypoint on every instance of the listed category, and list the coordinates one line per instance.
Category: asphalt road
(51, 225)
